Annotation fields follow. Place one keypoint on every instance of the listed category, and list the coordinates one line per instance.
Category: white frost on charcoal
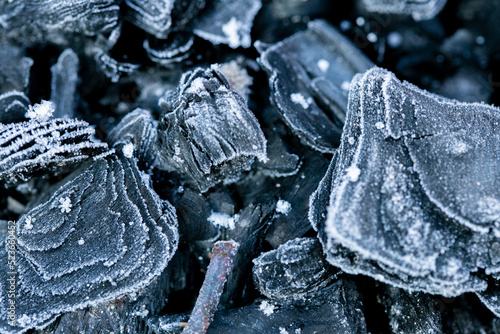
(128, 150)
(65, 205)
(297, 98)
(220, 219)
(29, 222)
(283, 330)
(323, 65)
(353, 173)
(267, 308)
(231, 30)
(283, 207)
(40, 111)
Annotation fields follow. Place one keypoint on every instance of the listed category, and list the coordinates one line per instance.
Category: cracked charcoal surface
(412, 312)
(73, 265)
(58, 21)
(307, 71)
(295, 272)
(208, 132)
(436, 251)
(31, 148)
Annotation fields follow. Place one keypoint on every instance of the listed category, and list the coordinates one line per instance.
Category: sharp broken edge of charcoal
(307, 72)
(215, 279)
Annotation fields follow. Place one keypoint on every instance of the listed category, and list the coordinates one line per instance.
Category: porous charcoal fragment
(307, 72)
(14, 69)
(154, 16)
(295, 272)
(419, 10)
(137, 128)
(208, 133)
(31, 148)
(103, 234)
(173, 50)
(64, 82)
(13, 107)
(58, 21)
(227, 22)
(412, 312)
(388, 213)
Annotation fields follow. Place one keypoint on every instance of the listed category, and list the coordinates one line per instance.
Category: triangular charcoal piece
(381, 219)
(310, 73)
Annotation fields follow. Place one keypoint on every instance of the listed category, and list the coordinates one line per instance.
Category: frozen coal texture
(419, 10)
(307, 73)
(103, 234)
(154, 16)
(170, 51)
(33, 148)
(14, 68)
(412, 312)
(57, 21)
(13, 107)
(228, 22)
(342, 313)
(208, 133)
(384, 194)
(139, 129)
(296, 272)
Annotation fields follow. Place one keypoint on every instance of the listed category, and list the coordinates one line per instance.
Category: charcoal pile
(249, 166)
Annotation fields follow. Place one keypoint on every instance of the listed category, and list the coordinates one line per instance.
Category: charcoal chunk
(342, 313)
(227, 22)
(387, 213)
(64, 84)
(208, 133)
(14, 69)
(57, 21)
(154, 16)
(103, 234)
(419, 10)
(309, 73)
(170, 51)
(13, 107)
(295, 272)
(412, 312)
(32, 148)
(137, 133)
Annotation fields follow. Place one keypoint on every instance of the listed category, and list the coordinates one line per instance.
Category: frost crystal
(128, 150)
(41, 112)
(223, 220)
(267, 308)
(283, 207)
(65, 205)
